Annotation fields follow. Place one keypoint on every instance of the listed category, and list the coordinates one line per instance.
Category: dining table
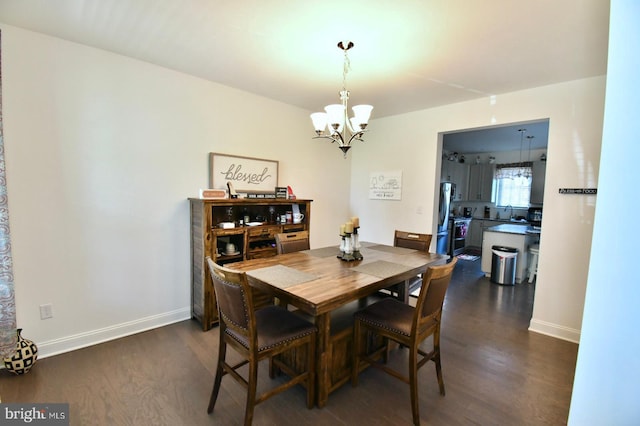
(319, 284)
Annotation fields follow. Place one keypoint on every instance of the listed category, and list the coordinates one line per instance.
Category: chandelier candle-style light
(340, 128)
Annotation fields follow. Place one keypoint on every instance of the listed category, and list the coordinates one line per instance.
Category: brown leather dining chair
(292, 241)
(394, 320)
(257, 335)
(410, 240)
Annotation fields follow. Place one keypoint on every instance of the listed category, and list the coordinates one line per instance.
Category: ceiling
(409, 54)
(534, 135)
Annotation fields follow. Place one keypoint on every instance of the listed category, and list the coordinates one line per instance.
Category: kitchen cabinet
(216, 223)
(458, 173)
(481, 182)
(477, 228)
(476, 231)
(474, 237)
(538, 171)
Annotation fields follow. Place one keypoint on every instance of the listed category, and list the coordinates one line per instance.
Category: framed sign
(385, 186)
(247, 174)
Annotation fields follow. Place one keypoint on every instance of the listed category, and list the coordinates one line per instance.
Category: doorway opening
(469, 160)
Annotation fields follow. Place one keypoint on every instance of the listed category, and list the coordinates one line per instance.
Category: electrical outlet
(419, 209)
(46, 311)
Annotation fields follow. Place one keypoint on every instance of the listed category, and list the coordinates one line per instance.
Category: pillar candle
(356, 221)
(348, 228)
(342, 228)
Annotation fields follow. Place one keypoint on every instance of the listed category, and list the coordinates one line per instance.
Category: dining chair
(410, 240)
(394, 320)
(292, 241)
(257, 335)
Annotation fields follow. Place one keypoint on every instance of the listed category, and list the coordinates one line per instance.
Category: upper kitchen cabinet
(538, 171)
(458, 173)
(481, 182)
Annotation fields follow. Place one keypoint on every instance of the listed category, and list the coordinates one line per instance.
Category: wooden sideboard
(208, 238)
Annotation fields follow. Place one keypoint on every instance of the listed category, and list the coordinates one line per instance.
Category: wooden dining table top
(317, 282)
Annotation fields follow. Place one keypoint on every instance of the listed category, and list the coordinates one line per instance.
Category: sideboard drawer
(263, 233)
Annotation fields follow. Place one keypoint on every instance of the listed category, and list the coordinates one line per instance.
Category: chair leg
(355, 362)
(219, 373)
(436, 359)
(413, 383)
(273, 369)
(251, 391)
(387, 349)
(439, 373)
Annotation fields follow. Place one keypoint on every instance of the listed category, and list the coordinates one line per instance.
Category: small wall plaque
(584, 191)
(281, 192)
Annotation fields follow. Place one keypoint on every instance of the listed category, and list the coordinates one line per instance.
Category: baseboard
(555, 330)
(94, 337)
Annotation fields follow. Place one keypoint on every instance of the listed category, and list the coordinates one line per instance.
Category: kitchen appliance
(446, 193)
(534, 216)
(458, 228)
(466, 211)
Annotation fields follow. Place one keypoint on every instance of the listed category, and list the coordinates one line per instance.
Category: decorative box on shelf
(213, 194)
(281, 192)
(260, 196)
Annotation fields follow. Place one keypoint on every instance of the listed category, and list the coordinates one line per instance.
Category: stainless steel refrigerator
(446, 194)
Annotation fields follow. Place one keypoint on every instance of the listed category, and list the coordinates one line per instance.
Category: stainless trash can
(503, 265)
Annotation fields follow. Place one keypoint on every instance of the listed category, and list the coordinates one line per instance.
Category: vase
(25, 356)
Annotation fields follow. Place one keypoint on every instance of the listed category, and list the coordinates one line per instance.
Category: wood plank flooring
(495, 372)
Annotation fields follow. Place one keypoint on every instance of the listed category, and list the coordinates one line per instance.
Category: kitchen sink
(518, 220)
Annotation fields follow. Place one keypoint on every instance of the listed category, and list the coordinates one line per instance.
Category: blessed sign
(247, 174)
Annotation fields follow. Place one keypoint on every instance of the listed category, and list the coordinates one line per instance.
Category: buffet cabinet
(249, 227)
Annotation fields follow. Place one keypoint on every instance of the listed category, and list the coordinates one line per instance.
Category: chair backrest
(234, 299)
(434, 288)
(412, 240)
(292, 241)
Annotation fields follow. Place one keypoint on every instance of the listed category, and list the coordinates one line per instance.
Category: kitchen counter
(519, 237)
(509, 228)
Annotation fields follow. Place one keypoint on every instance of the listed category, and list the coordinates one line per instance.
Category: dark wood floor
(495, 372)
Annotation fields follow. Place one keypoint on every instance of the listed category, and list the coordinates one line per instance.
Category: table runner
(382, 268)
(390, 249)
(281, 276)
(323, 252)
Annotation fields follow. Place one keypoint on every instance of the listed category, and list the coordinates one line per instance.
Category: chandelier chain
(346, 67)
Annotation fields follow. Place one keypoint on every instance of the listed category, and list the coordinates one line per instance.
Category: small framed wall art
(385, 185)
(247, 174)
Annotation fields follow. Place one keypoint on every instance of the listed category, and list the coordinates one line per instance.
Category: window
(513, 184)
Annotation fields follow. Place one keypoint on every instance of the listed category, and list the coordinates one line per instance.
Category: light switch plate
(46, 311)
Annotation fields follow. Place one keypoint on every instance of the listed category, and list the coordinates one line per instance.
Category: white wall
(411, 143)
(607, 378)
(102, 152)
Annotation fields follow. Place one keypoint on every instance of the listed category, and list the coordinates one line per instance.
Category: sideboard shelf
(208, 238)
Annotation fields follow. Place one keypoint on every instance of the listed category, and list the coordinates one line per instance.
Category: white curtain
(7, 298)
(513, 170)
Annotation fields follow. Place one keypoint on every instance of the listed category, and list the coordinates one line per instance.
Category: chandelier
(340, 128)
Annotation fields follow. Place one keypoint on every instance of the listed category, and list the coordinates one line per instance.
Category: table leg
(323, 347)
(403, 291)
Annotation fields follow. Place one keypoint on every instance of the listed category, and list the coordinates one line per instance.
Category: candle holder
(355, 240)
(347, 254)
